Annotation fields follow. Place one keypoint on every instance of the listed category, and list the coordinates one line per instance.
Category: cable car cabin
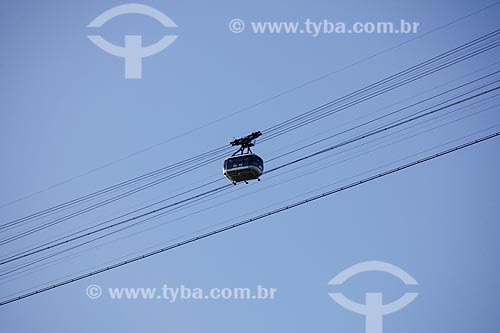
(244, 167)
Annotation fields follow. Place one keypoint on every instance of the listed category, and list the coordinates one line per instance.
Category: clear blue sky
(65, 109)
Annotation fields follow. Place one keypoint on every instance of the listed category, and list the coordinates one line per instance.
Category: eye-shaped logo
(373, 309)
(133, 52)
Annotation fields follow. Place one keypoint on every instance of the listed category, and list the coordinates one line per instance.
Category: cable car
(244, 166)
